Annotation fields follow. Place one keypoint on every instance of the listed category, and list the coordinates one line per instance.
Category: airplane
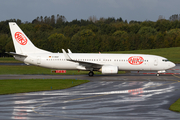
(104, 63)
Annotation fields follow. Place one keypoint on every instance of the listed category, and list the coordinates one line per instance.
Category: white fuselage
(105, 63)
(122, 61)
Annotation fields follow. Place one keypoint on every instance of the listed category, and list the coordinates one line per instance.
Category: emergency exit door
(155, 61)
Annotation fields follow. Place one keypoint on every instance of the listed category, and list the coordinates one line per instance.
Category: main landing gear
(91, 73)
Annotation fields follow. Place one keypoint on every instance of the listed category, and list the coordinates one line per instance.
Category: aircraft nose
(172, 64)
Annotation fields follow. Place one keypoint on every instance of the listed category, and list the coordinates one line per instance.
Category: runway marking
(176, 76)
(129, 91)
(33, 109)
(85, 97)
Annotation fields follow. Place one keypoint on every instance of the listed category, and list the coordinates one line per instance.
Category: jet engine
(109, 70)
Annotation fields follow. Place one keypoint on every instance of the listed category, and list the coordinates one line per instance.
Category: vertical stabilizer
(21, 42)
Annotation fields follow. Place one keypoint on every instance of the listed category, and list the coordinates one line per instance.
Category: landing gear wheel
(157, 74)
(91, 73)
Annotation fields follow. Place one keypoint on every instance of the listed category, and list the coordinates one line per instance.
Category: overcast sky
(140, 10)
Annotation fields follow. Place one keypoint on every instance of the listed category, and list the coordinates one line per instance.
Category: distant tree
(148, 24)
(35, 21)
(60, 19)
(38, 19)
(125, 21)
(134, 28)
(9, 46)
(18, 21)
(162, 25)
(57, 41)
(45, 19)
(147, 31)
(174, 17)
(101, 20)
(92, 19)
(3, 42)
(134, 21)
(161, 17)
(93, 27)
(109, 20)
(45, 27)
(159, 40)
(174, 32)
(52, 20)
(119, 20)
(177, 41)
(119, 33)
(84, 33)
(42, 20)
(82, 40)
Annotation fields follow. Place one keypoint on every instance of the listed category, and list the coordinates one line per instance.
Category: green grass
(173, 54)
(175, 106)
(9, 60)
(33, 85)
(13, 69)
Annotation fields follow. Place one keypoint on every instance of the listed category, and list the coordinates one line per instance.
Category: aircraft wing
(13, 53)
(82, 63)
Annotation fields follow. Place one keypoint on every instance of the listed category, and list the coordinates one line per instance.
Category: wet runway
(126, 96)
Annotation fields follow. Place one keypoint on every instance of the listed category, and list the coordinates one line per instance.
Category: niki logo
(20, 38)
(135, 60)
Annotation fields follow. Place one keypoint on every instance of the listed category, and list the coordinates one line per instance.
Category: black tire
(91, 73)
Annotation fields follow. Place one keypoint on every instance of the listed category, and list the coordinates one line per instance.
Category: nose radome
(172, 64)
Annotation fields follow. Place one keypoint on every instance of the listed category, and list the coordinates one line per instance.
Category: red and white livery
(105, 63)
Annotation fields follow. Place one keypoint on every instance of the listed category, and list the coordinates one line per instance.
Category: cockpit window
(165, 60)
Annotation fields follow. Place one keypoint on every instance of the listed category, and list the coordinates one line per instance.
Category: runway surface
(127, 96)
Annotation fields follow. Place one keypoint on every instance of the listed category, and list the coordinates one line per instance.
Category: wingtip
(69, 51)
(63, 51)
(66, 55)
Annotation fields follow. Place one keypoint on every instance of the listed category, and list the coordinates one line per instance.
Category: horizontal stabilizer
(13, 53)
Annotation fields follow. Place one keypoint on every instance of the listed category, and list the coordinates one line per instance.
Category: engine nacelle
(109, 70)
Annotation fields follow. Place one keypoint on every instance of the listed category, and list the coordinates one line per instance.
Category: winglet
(69, 51)
(66, 55)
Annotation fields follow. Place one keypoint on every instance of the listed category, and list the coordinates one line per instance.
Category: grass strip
(175, 106)
(9, 60)
(34, 85)
(17, 69)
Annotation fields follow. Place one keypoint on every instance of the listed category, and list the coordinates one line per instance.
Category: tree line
(93, 35)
